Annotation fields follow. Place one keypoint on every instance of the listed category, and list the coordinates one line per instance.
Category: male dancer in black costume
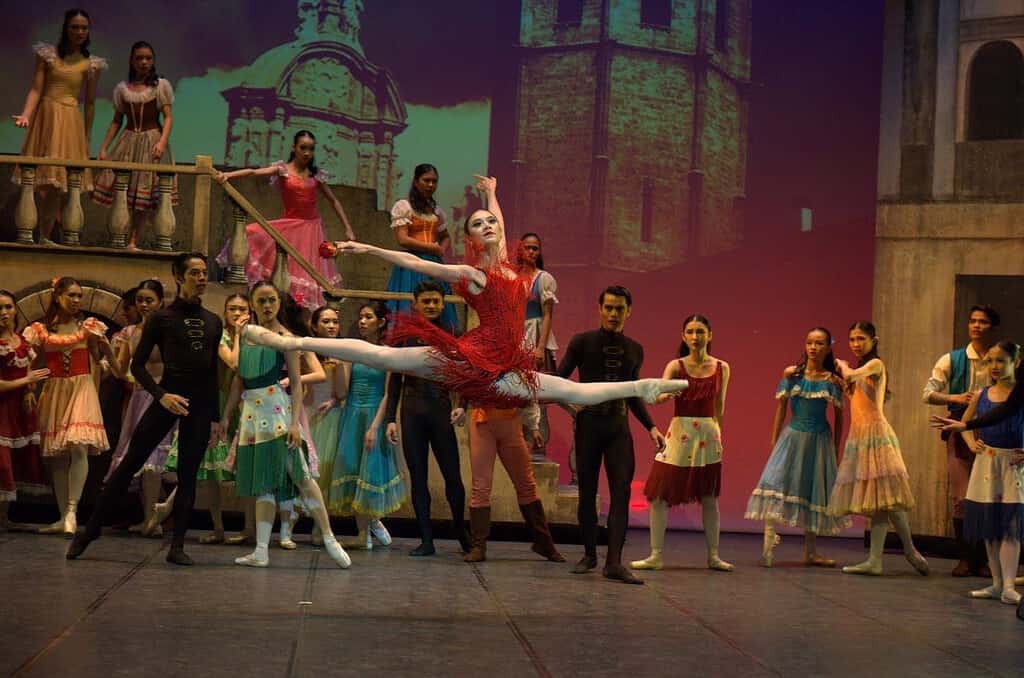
(187, 336)
(602, 430)
(427, 423)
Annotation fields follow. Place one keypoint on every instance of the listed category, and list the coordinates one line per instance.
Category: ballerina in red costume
(489, 365)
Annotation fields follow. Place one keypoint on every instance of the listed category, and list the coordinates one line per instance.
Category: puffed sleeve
(548, 287)
(164, 93)
(45, 51)
(118, 97)
(442, 220)
(35, 334)
(94, 326)
(282, 171)
(96, 64)
(401, 214)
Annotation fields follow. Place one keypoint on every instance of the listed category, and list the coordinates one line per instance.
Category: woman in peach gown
(56, 128)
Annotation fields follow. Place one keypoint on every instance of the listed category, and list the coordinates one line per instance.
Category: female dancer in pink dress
(490, 365)
(300, 182)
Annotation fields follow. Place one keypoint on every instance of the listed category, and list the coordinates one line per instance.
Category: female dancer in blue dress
(797, 480)
(365, 479)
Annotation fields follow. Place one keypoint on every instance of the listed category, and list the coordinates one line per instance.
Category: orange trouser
(493, 433)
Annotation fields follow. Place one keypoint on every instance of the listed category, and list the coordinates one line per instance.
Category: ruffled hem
(682, 484)
(20, 442)
(90, 435)
(767, 504)
(864, 498)
(993, 522)
(367, 499)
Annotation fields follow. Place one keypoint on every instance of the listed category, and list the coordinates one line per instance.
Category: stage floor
(123, 611)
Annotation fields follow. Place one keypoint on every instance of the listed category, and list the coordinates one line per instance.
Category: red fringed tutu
(682, 484)
(473, 363)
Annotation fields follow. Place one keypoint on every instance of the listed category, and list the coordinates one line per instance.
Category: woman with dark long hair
(65, 73)
(420, 228)
(872, 478)
(143, 101)
(689, 469)
(300, 182)
(797, 479)
(21, 469)
(70, 421)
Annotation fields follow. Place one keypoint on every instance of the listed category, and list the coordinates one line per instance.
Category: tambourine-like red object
(328, 250)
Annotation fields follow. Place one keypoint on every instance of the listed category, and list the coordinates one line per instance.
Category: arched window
(996, 98)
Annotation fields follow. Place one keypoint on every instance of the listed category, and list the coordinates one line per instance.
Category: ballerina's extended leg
(415, 360)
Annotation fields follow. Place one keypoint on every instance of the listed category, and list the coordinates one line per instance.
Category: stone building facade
(321, 81)
(950, 205)
(630, 140)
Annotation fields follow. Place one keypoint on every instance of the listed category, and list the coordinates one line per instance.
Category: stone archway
(97, 300)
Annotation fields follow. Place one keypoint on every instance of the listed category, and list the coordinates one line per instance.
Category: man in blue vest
(955, 378)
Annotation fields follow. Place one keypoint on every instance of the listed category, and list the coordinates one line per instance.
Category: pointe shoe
(1010, 597)
(70, 524)
(1019, 581)
(768, 550)
(650, 389)
(867, 567)
(53, 528)
(619, 573)
(919, 563)
(239, 539)
(337, 553)
(814, 560)
(716, 563)
(380, 533)
(651, 562)
(287, 544)
(152, 522)
(264, 337)
(211, 539)
(137, 528)
(252, 560)
(987, 593)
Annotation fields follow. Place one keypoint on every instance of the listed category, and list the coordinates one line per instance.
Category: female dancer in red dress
(490, 365)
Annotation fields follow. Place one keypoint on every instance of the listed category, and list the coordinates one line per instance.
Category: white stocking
(710, 518)
(285, 510)
(1009, 557)
(150, 492)
(994, 564)
(265, 507)
(659, 522)
(78, 473)
(59, 471)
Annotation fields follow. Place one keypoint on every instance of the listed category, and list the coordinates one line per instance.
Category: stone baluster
(280, 277)
(164, 221)
(73, 218)
(26, 218)
(120, 217)
(238, 252)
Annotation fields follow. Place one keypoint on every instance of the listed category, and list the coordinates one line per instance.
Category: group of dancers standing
(252, 399)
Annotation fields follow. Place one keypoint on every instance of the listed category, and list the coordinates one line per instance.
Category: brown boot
(543, 545)
(479, 529)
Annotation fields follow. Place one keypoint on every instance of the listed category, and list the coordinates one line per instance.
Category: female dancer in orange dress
(55, 125)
